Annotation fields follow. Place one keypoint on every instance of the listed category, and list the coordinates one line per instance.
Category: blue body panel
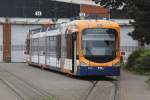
(98, 71)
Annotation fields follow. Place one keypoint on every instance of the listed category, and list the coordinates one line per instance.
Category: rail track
(21, 88)
(90, 90)
(114, 88)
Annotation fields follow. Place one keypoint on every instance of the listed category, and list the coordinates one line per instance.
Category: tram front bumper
(98, 71)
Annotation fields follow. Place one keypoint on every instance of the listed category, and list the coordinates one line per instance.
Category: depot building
(17, 17)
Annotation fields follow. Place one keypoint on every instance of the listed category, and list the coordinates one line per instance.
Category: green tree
(138, 10)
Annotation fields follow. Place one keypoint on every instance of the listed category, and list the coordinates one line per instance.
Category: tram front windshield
(99, 45)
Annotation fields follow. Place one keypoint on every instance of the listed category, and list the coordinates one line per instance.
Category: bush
(121, 60)
(148, 81)
(142, 65)
(139, 61)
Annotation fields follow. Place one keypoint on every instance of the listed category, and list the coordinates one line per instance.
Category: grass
(148, 81)
(48, 98)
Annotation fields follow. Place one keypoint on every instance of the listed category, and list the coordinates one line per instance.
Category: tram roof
(75, 22)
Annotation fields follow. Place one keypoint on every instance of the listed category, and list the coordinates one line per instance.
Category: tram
(79, 47)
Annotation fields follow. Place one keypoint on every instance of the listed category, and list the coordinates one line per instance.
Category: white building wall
(127, 40)
(128, 45)
(125, 29)
(18, 37)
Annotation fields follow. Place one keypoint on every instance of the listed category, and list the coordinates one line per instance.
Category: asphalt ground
(133, 87)
(18, 81)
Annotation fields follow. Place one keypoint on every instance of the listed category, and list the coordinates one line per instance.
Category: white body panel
(53, 62)
(1, 43)
(34, 59)
(68, 64)
(42, 59)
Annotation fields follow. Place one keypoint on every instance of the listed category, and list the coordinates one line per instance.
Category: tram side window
(52, 43)
(58, 47)
(34, 48)
(42, 48)
(63, 42)
(47, 46)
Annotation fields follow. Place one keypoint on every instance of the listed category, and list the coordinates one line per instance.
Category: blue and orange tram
(80, 47)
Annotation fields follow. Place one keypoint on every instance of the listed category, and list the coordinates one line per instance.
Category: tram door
(74, 52)
(58, 51)
(71, 51)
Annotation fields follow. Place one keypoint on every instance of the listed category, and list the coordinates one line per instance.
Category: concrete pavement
(31, 82)
(133, 87)
(60, 86)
